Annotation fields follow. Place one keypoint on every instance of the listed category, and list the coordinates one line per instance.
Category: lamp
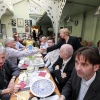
(98, 12)
(69, 20)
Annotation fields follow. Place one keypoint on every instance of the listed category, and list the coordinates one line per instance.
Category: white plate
(42, 87)
(25, 95)
(38, 55)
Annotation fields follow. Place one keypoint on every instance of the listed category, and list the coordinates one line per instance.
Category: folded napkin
(24, 65)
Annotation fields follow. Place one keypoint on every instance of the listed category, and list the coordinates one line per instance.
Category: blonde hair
(65, 31)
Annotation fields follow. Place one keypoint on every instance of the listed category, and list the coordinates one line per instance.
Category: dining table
(56, 91)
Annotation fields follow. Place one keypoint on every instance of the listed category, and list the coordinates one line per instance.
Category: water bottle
(30, 48)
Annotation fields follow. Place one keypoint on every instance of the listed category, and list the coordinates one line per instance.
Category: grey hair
(2, 49)
(8, 40)
(44, 38)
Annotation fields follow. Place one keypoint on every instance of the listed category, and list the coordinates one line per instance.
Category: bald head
(66, 51)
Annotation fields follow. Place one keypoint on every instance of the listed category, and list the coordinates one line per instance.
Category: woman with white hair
(66, 39)
(13, 54)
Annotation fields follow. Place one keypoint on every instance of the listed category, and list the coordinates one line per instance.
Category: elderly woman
(65, 39)
(13, 54)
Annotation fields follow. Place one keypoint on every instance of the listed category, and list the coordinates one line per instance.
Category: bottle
(30, 48)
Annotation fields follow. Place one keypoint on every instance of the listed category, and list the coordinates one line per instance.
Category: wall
(76, 30)
(91, 29)
(20, 11)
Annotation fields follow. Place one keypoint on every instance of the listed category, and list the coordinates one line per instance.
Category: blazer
(68, 70)
(10, 70)
(72, 88)
(72, 41)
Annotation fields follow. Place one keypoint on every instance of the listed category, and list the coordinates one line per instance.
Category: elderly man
(84, 83)
(44, 45)
(13, 54)
(8, 73)
(52, 56)
(64, 65)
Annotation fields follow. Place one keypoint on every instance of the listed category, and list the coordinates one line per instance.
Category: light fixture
(98, 12)
(69, 20)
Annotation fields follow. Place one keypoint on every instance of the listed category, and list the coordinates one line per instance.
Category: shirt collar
(88, 83)
(65, 62)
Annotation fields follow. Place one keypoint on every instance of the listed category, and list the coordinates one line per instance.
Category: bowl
(30, 69)
(42, 87)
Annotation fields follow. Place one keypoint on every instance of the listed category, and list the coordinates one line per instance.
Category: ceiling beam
(36, 3)
(81, 4)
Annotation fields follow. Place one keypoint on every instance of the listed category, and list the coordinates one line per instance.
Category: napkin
(24, 65)
(22, 84)
(43, 74)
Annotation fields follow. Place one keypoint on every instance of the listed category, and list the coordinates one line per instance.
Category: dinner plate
(25, 95)
(42, 87)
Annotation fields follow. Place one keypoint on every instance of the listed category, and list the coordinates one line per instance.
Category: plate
(42, 87)
(38, 62)
(24, 95)
(38, 55)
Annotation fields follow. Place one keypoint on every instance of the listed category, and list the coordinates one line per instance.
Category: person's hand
(63, 75)
(39, 50)
(57, 67)
(11, 83)
(16, 88)
(10, 89)
(43, 49)
(61, 98)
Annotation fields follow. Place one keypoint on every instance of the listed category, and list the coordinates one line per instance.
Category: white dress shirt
(85, 86)
(64, 64)
(52, 57)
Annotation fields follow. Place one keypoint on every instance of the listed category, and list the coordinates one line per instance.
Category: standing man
(84, 83)
(8, 74)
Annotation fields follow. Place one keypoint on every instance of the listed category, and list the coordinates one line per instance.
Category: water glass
(36, 68)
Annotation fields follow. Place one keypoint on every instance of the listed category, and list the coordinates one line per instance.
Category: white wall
(21, 10)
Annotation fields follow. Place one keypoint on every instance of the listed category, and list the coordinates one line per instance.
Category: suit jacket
(10, 70)
(68, 70)
(72, 41)
(72, 87)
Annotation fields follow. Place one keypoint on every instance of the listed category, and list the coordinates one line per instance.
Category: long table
(13, 97)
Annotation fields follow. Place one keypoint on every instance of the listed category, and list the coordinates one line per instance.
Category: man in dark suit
(8, 74)
(63, 66)
(84, 83)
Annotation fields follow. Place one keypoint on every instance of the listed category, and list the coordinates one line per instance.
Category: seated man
(13, 54)
(64, 65)
(19, 46)
(52, 56)
(44, 45)
(8, 73)
(84, 83)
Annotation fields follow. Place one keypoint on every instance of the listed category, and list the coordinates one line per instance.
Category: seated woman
(29, 41)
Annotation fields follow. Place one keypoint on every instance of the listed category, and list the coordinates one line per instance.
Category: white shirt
(85, 86)
(52, 57)
(45, 45)
(64, 64)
